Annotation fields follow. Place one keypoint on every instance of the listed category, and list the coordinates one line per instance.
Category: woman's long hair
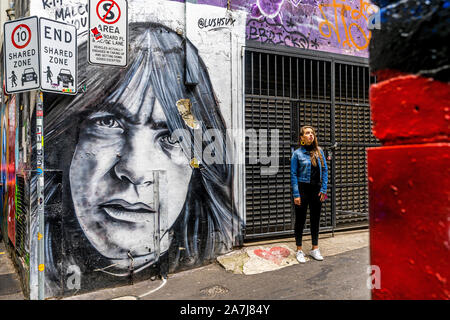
(315, 152)
(208, 224)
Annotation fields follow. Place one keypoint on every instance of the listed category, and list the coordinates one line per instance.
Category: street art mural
(11, 169)
(4, 186)
(115, 138)
(125, 197)
(337, 26)
(8, 169)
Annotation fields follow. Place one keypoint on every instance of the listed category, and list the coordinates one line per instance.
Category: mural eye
(108, 122)
(170, 141)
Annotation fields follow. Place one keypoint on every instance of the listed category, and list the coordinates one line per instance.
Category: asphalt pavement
(10, 288)
(342, 275)
(339, 277)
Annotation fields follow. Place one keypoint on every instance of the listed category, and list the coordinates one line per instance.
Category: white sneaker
(301, 257)
(316, 254)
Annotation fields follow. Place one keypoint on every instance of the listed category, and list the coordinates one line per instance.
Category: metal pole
(40, 193)
(333, 143)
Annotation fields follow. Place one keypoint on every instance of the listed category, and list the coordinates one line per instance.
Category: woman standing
(309, 179)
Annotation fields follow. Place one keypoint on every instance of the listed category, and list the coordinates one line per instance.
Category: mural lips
(125, 211)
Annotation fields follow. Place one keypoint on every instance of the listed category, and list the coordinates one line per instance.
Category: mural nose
(136, 173)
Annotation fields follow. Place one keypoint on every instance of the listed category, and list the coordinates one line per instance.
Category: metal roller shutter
(285, 92)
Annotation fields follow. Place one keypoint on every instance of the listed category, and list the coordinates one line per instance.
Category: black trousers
(309, 195)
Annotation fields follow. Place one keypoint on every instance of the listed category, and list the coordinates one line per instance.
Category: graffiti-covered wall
(128, 193)
(338, 26)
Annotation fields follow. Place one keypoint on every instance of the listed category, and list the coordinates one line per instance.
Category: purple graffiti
(297, 2)
(266, 32)
(269, 9)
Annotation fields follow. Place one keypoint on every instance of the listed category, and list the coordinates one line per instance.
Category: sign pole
(40, 193)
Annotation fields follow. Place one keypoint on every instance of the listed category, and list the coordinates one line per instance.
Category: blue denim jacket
(301, 170)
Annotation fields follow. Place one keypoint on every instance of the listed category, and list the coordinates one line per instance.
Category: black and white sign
(58, 57)
(108, 32)
(21, 43)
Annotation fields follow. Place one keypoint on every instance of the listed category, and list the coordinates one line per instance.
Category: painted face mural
(114, 190)
(129, 197)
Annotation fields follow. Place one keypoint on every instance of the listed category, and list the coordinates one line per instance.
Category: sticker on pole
(108, 32)
(58, 57)
(21, 59)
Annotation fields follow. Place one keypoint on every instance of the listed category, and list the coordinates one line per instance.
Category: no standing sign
(21, 40)
(108, 32)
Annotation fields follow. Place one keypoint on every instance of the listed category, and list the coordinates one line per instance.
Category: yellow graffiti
(40, 236)
(41, 267)
(356, 15)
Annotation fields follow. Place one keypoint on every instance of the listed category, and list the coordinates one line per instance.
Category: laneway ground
(341, 276)
(9, 281)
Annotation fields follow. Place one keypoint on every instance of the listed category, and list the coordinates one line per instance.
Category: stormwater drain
(214, 290)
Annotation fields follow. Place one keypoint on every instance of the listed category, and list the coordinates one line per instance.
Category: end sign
(59, 59)
(21, 41)
(108, 32)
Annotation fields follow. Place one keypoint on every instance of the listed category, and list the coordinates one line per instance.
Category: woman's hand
(297, 201)
(322, 196)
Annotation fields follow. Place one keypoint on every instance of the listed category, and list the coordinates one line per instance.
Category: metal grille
(353, 136)
(285, 92)
(21, 216)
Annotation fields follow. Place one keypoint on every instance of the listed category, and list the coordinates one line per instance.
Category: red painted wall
(409, 188)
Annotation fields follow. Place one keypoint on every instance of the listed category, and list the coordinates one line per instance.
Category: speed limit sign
(21, 36)
(21, 42)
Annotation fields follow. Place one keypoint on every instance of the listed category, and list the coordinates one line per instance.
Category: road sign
(59, 61)
(21, 59)
(108, 32)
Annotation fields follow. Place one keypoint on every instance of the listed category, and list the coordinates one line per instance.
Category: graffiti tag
(215, 22)
(75, 14)
(266, 32)
(327, 28)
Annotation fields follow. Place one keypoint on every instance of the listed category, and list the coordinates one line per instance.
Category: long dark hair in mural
(102, 149)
